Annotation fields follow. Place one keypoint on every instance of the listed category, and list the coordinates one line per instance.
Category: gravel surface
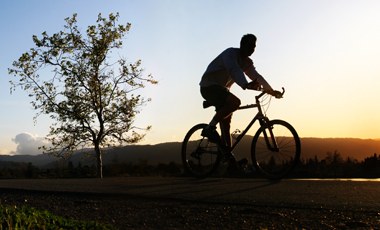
(133, 212)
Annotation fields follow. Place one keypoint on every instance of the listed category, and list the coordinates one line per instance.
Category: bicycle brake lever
(279, 94)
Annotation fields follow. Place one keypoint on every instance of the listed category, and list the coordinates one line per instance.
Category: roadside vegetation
(17, 170)
(31, 218)
(332, 166)
(335, 166)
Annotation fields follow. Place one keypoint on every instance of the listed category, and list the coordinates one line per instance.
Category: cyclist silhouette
(227, 68)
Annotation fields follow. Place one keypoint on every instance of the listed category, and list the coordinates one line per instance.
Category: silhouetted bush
(16, 170)
(332, 166)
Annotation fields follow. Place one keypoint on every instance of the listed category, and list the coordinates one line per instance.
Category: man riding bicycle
(229, 67)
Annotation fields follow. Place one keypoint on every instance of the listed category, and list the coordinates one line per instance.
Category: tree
(334, 159)
(92, 103)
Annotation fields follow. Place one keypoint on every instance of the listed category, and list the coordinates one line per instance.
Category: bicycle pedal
(227, 157)
(243, 161)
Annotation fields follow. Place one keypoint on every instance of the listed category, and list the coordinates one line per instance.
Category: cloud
(4, 152)
(27, 144)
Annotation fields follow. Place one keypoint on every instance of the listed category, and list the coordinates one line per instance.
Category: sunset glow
(324, 53)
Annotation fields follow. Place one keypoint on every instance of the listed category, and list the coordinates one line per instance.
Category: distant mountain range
(166, 152)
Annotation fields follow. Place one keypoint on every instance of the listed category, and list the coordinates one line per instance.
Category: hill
(160, 153)
(166, 152)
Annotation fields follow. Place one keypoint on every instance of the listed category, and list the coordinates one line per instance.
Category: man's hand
(275, 93)
(253, 85)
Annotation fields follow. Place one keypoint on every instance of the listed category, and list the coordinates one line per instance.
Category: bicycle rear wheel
(273, 162)
(200, 157)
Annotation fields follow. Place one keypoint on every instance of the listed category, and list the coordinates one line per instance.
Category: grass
(30, 218)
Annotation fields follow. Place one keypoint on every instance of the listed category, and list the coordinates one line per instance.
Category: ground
(131, 212)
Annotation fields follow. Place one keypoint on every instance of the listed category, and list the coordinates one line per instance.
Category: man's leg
(231, 104)
(223, 115)
(225, 126)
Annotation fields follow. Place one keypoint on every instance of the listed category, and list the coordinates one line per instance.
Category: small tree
(93, 103)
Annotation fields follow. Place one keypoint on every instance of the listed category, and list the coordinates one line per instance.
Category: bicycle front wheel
(275, 157)
(200, 157)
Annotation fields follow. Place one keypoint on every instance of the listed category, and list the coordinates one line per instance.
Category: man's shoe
(242, 163)
(233, 168)
(237, 168)
(226, 154)
(211, 133)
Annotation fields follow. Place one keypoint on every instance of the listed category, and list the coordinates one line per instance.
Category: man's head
(247, 45)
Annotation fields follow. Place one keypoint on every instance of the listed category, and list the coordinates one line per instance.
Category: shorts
(215, 94)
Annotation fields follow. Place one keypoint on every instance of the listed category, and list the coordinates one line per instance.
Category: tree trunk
(99, 163)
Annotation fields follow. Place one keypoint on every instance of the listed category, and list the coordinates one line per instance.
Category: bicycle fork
(271, 141)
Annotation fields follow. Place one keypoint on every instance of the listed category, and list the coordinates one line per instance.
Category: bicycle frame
(263, 120)
(274, 157)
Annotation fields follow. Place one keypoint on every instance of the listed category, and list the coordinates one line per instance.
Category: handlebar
(255, 85)
(274, 93)
(279, 94)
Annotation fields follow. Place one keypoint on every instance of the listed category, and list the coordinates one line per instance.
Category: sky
(325, 54)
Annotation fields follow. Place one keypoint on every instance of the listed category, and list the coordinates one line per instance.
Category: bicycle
(275, 148)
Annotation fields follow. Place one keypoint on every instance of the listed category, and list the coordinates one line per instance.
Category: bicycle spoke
(199, 156)
(275, 163)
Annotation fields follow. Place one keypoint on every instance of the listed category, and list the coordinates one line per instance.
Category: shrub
(30, 218)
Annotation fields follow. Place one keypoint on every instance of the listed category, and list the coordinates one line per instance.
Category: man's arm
(230, 57)
(254, 75)
(257, 80)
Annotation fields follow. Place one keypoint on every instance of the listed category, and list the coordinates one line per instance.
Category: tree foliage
(91, 100)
